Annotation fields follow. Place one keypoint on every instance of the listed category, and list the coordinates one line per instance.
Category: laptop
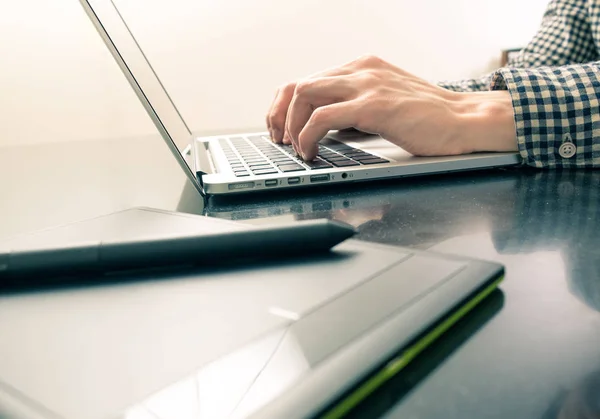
(286, 338)
(241, 163)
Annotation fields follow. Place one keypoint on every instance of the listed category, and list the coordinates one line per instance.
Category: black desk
(532, 350)
(535, 349)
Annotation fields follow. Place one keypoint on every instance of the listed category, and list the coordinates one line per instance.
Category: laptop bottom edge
(215, 186)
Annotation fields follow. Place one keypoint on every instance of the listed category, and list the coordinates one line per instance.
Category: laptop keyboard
(258, 155)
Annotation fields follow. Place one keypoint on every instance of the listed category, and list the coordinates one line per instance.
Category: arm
(554, 106)
(555, 98)
(564, 37)
(543, 112)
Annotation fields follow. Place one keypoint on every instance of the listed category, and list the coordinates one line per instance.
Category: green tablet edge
(399, 362)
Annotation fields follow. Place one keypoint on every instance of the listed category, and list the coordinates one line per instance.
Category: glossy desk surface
(534, 353)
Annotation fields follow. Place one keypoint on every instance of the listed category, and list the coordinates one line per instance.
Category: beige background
(222, 59)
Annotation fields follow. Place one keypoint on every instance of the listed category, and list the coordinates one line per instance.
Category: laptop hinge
(199, 175)
(201, 156)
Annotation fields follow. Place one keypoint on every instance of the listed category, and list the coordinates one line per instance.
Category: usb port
(293, 180)
(241, 185)
(319, 178)
(271, 182)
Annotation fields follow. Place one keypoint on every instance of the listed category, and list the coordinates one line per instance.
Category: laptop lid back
(145, 82)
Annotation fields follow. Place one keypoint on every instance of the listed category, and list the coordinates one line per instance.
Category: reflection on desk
(535, 357)
(524, 211)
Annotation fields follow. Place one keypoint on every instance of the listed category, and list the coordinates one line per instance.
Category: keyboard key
(328, 154)
(337, 159)
(241, 174)
(317, 164)
(264, 171)
(288, 148)
(258, 138)
(260, 166)
(374, 161)
(361, 154)
(291, 168)
(283, 162)
(339, 147)
(345, 163)
(363, 158)
(277, 155)
(283, 157)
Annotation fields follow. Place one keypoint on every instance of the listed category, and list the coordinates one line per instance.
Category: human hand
(373, 96)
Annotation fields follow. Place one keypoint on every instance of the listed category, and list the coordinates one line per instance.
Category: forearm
(486, 121)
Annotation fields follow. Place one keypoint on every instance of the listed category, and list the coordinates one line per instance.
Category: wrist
(485, 121)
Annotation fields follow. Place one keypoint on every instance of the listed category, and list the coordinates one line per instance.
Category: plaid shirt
(554, 83)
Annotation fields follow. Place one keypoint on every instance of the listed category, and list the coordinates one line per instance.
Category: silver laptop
(241, 163)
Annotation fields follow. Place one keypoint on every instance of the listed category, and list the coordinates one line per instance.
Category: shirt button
(567, 150)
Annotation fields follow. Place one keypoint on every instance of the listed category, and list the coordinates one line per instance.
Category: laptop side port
(241, 185)
(293, 180)
(271, 182)
(319, 178)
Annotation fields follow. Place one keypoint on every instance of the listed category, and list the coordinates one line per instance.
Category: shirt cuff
(557, 113)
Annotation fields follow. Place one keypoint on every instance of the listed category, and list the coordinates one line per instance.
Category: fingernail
(275, 134)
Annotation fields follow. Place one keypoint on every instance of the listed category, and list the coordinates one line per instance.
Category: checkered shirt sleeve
(554, 83)
(554, 106)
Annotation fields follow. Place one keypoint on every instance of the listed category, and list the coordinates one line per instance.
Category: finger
(336, 116)
(312, 94)
(268, 116)
(279, 107)
(278, 111)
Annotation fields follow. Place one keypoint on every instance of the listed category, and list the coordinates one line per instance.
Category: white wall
(222, 59)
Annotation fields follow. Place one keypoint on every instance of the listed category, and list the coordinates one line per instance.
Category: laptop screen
(137, 69)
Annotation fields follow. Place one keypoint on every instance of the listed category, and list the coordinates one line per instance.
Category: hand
(373, 96)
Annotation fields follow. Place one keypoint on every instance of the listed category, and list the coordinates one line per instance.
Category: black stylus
(264, 242)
